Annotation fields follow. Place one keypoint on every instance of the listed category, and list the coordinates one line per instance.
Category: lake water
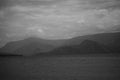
(99, 67)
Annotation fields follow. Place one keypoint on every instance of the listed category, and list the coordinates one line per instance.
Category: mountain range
(90, 44)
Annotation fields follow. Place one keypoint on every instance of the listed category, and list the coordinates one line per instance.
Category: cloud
(58, 21)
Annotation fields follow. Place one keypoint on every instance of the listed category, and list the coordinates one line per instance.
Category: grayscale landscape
(89, 59)
(59, 39)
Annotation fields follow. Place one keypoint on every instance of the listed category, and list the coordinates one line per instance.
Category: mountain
(97, 43)
(91, 44)
(27, 46)
(112, 40)
(104, 38)
(86, 47)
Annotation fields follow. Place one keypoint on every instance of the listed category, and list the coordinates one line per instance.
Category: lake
(84, 67)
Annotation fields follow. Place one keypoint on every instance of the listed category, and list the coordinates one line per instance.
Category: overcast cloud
(54, 19)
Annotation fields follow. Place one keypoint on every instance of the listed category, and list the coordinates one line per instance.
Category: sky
(57, 19)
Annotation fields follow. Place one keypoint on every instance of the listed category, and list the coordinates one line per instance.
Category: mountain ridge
(31, 46)
(86, 47)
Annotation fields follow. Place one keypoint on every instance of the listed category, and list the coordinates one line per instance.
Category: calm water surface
(92, 67)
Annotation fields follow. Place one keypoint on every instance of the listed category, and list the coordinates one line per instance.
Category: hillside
(98, 43)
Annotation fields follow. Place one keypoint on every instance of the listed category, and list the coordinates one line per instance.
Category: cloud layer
(58, 21)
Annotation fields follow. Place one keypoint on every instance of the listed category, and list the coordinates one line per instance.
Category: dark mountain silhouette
(86, 47)
(98, 43)
(112, 40)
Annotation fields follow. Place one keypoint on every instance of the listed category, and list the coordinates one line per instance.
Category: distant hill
(26, 46)
(104, 38)
(112, 40)
(86, 47)
(98, 43)
(32, 46)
